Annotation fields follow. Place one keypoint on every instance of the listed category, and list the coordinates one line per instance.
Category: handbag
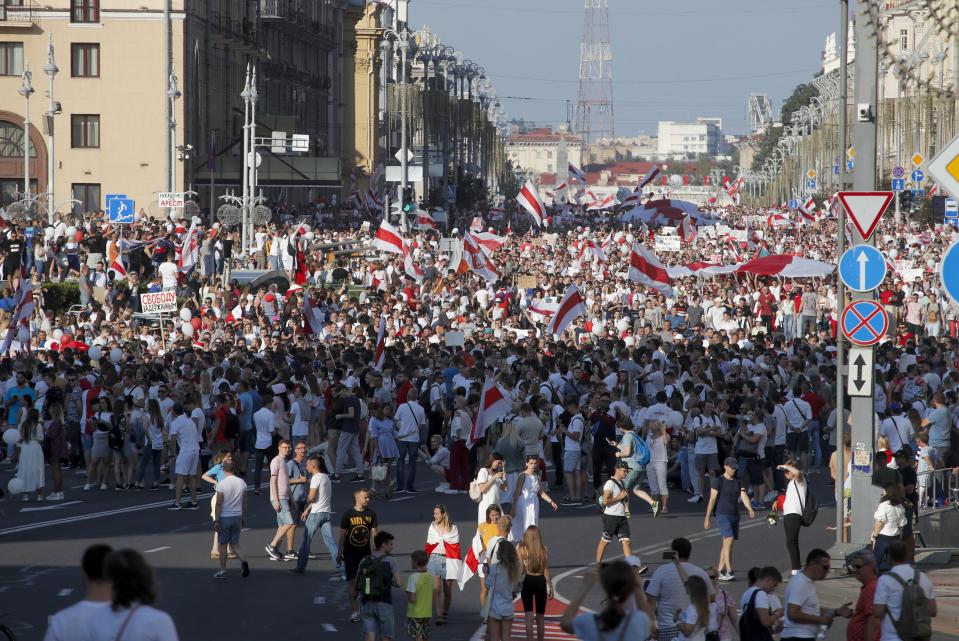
(378, 472)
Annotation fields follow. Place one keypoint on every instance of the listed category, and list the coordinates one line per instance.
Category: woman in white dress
(491, 480)
(30, 463)
(526, 496)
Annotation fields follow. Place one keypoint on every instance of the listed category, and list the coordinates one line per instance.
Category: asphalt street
(42, 544)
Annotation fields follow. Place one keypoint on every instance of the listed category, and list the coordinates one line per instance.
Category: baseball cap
(731, 461)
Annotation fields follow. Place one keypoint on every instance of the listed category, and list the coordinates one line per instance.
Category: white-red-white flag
(589, 250)
(388, 238)
(477, 224)
(648, 178)
(410, 268)
(190, 251)
(23, 308)
(488, 241)
(687, 230)
(807, 211)
(605, 203)
(474, 556)
(477, 260)
(645, 268)
(529, 199)
(571, 306)
(379, 352)
(119, 272)
(424, 220)
(495, 403)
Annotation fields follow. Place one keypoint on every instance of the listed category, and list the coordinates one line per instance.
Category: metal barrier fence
(937, 489)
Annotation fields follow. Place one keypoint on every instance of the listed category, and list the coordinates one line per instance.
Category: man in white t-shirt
(228, 520)
(184, 431)
(769, 578)
(98, 593)
(573, 468)
(264, 423)
(410, 420)
(803, 614)
(318, 516)
(887, 602)
(168, 272)
(666, 591)
(897, 428)
(615, 509)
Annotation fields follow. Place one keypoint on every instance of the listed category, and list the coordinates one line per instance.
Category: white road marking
(400, 498)
(329, 627)
(165, 547)
(65, 592)
(246, 529)
(47, 508)
(319, 600)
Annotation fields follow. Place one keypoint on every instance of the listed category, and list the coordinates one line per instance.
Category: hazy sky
(673, 60)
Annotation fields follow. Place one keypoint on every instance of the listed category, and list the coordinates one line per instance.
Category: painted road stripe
(319, 600)
(65, 592)
(401, 498)
(329, 627)
(47, 508)
(165, 547)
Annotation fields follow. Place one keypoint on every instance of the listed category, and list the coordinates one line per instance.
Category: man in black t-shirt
(357, 531)
(906, 460)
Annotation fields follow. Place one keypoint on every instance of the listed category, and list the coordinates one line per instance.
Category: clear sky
(673, 59)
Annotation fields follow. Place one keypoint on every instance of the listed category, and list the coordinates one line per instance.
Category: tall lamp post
(51, 70)
(173, 93)
(245, 160)
(407, 45)
(26, 90)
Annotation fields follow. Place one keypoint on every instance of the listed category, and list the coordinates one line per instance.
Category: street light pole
(26, 90)
(244, 162)
(173, 93)
(51, 70)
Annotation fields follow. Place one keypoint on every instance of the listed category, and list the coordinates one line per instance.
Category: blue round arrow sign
(862, 268)
(949, 271)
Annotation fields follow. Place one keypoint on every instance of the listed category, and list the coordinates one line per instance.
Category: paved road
(41, 550)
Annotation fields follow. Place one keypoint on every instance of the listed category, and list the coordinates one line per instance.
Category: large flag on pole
(388, 239)
(190, 252)
(23, 308)
(495, 403)
(645, 268)
(312, 316)
(570, 307)
(532, 203)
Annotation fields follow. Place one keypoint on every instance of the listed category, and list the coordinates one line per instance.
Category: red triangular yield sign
(865, 208)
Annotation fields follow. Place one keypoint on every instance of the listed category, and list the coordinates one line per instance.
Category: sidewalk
(945, 580)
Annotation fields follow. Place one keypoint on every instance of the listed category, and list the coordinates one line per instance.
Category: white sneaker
(443, 488)
(695, 498)
(794, 573)
(88, 487)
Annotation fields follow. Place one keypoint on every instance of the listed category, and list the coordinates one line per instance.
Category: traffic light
(408, 199)
(905, 200)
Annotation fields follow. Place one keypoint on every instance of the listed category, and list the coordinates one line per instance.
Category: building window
(84, 10)
(11, 58)
(84, 131)
(11, 141)
(903, 40)
(85, 60)
(89, 196)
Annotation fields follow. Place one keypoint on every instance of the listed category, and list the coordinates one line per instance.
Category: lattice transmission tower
(594, 106)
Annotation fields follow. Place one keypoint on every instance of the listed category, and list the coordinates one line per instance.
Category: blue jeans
(146, 457)
(815, 442)
(789, 325)
(314, 521)
(684, 464)
(405, 477)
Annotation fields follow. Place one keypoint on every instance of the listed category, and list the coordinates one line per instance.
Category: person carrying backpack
(376, 576)
(904, 604)
(632, 449)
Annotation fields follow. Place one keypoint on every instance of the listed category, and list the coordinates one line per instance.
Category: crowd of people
(720, 392)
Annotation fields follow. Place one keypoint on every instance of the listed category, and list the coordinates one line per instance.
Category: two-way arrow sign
(860, 376)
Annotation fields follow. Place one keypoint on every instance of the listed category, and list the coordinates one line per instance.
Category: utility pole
(167, 76)
(841, 247)
(51, 70)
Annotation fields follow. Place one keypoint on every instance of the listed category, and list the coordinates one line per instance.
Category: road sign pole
(841, 239)
(864, 179)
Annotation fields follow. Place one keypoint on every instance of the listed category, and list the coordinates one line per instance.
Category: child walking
(419, 589)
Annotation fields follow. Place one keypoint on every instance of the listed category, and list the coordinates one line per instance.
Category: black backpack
(232, 429)
(115, 438)
(808, 507)
(373, 579)
(750, 627)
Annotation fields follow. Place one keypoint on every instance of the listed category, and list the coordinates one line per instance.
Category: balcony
(281, 9)
(18, 14)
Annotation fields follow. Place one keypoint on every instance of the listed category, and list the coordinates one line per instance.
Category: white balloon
(309, 235)
(71, 232)
(116, 354)
(893, 253)
(57, 333)
(15, 486)
(11, 436)
(95, 352)
(186, 315)
(676, 180)
(187, 329)
(48, 233)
